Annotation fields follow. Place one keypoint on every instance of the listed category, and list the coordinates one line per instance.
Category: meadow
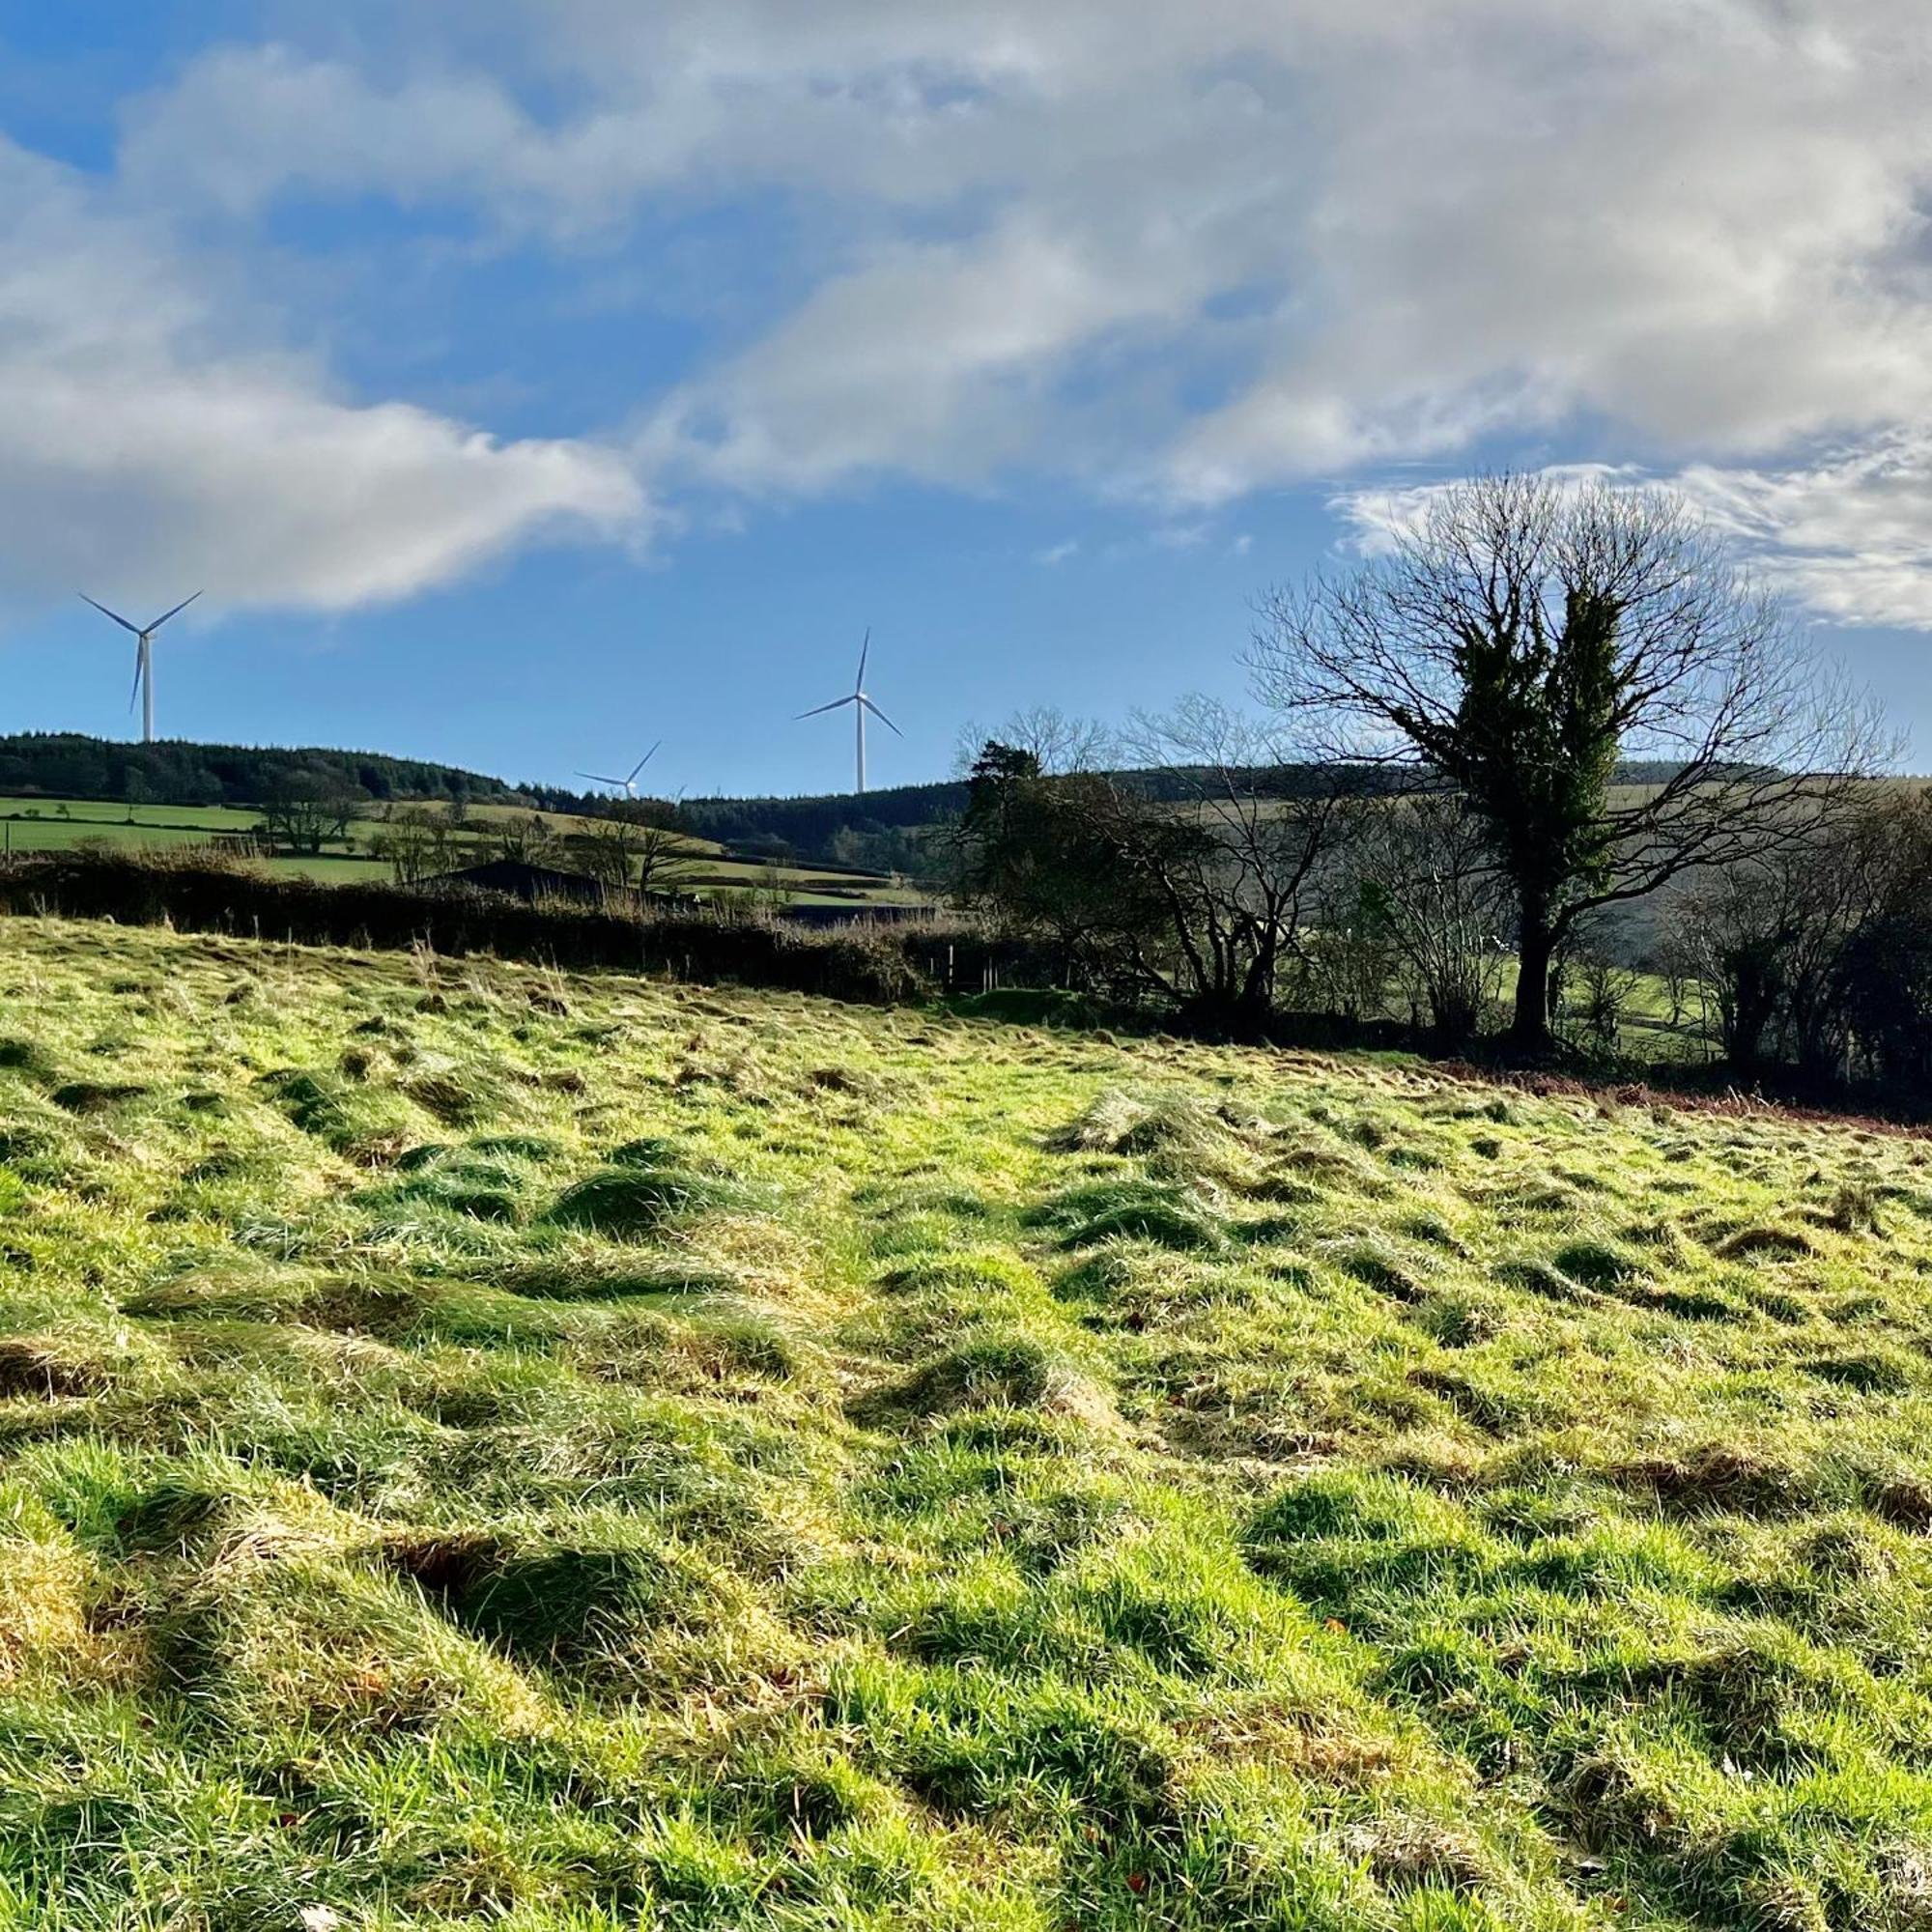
(59, 825)
(491, 1448)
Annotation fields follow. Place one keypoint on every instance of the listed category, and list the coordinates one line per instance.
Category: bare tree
(302, 812)
(528, 840)
(1423, 864)
(663, 860)
(1523, 642)
(1238, 891)
(1056, 743)
(417, 842)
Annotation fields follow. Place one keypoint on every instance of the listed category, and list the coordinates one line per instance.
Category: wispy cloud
(1846, 534)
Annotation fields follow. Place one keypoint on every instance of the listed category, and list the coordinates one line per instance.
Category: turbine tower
(144, 658)
(627, 786)
(861, 705)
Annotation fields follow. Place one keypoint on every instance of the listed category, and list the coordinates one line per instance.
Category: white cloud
(1849, 536)
(1173, 255)
(1846, 535)
(155, 435)
(1056, 553)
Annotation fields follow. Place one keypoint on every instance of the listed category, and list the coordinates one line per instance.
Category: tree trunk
(1535, 945)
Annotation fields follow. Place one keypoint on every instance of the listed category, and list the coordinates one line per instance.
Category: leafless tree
(418, 843)
(527, 839)
(1422, 866)
(663, 861)
(1773, 934)
(1233, 848)
(1056, 743)
(304, 810)
(1525, 642)
(1185, 880)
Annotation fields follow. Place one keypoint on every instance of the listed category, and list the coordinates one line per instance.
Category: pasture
(57, 825)
(489, 1447)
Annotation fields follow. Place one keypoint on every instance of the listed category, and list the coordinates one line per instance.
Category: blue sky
(527, 383)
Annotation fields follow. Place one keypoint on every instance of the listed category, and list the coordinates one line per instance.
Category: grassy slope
(487, 1447)
(173, 825)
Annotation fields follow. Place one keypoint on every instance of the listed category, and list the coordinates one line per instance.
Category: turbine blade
(832, 706)
(600, 778)
(865, 651)
(175, 612)
(882, 718)
(642, 762)
(134, 696)
(107, 613)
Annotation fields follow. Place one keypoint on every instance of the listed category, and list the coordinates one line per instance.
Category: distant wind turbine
(627, 786)
(861, 705)
(144, 658)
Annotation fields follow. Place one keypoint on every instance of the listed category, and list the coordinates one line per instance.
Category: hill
(64, 764)
(876, 832)
(492, 1446)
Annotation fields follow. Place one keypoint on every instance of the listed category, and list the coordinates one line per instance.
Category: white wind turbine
(861, 705)
(627, 786)
(144, 658)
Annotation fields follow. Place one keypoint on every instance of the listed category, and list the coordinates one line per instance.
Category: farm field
(47, 825)
(487, 1447)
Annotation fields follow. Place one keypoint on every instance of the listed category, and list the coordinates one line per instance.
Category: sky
(524, 382)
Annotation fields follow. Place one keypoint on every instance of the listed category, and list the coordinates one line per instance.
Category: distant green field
(45, 825)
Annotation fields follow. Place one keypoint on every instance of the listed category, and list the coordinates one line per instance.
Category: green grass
(491, 1448)
(47, 825)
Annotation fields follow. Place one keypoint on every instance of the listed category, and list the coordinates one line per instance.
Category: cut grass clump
(1868, 1374)
(1596, 1264)
(632, 1203)
(1380, 1270)
(96, 1097)
(1180, 1137)
(1723, 1476)
(29, 1058)
(550, 1605)
(1166, 1216)
(46, 1371)
(361, 1122)
(473, 1180)
(1766, 1244)
(998, 1372)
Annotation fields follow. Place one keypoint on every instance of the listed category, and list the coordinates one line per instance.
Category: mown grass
(483, 1447)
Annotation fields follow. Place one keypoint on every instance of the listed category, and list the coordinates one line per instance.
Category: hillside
(877, 832)
(490, 1447)
(64, 764)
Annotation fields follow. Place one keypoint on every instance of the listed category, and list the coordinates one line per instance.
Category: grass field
(47, 825)
(490, 1448)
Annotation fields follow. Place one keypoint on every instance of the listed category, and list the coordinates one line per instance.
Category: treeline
(58, 764)
(1815, 955)
(906, 828)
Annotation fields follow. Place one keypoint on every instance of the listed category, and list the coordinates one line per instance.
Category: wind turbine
(627, 786)
(861, 705)
(144, 658)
